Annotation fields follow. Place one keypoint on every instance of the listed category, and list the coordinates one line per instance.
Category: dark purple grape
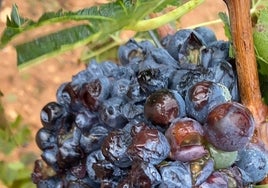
(183, 79)
(175, 174)
(124, 72)
(111, 113)
(223, 72)
(109, 184)
(252, 162)
(92, 139)
(229, 126)
(142, 174)
(50, 157)
(130, 52)
(109, 68)
(151, 80)
(234, 176)
(186, 138)
(215, 180)
(49, 115)
(163, 106)
(45, 139)
(77, 184)
(78, 180)
(114, 148)
(120, 88)
(149, 145)
(149, 63)
(79, 171)
(134, 93)
(94, 69)
(67, 130)
(146, 45)
(184, 46)
(100, 170)
(220, 51)
(203, 96)
(69, 154)
(223, 178)
(59, 96)
(94, 92)
(201, 169)
(41, 171)
(81, 77)
(207, 34)
(132, 111)
(49, 183)
(85, 120)
(161, 56)
(70, 98)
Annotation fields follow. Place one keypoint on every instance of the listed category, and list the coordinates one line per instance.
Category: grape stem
(246, 65)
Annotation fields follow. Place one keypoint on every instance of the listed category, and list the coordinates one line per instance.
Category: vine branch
(246, 65)
(240, 20)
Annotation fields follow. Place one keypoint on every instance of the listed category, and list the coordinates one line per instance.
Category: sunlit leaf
(15, 19)
(227, 30)
(260, 36)
(227, 27)
(51, 44)
(103, 20)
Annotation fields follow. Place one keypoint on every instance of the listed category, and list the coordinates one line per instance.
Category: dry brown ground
(27, 91)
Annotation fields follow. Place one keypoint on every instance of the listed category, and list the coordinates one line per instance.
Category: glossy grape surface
(160, 117)
(161, 107)
(229, 126)
(186, 139)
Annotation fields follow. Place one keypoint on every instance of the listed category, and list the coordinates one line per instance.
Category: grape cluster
(161, 117)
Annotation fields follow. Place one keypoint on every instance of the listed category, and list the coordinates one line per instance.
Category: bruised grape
(94, 92)
(149, 145)
(114, 148)
(186, 139)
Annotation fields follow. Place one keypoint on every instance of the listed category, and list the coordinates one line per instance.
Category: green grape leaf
(260, 186)
(15, 174)
(12, 135)
(260, 36)
(168, 3)
(120, 10)
(227, 27)
(15, 20)
(6, 145)
(227, 30)
(103, 21)
(53, 43)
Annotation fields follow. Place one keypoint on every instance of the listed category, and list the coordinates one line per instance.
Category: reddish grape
(162, 106)
(92, 93)
(186, 140)
(229, 126)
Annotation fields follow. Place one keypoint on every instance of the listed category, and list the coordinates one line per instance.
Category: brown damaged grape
(186, 139)
(162, 106)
